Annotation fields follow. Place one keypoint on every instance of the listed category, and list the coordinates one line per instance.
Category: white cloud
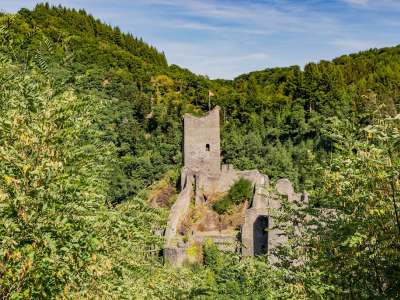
(375, 4)
(259, 18)
(219, 62)
(357, 2)
(264, 57)
(350, 45)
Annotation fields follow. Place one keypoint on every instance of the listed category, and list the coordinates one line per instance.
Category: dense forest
(91, 126)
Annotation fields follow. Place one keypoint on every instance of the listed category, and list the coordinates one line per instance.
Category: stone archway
(260, 235)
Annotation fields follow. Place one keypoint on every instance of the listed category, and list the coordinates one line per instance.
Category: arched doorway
(260, 235)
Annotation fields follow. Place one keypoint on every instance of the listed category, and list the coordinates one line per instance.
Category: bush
(222, 206)
(241, 191)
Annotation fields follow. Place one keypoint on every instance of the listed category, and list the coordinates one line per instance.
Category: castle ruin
(202, 176)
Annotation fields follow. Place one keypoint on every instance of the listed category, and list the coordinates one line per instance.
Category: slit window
(207, 147)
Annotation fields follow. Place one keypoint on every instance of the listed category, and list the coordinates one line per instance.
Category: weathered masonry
(202, 143)
(202, 177)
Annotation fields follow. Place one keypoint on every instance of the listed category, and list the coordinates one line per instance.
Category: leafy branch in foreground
(54, 171)
(355, 239)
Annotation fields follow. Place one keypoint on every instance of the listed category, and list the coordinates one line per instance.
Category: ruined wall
(208, 184)
(255, 238)
(227, 242)
(180, 207)
(284, 188)
(202, 142)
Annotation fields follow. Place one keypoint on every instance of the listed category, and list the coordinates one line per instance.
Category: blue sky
(225, 38)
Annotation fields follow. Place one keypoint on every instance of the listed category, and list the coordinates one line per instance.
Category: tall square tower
(202, 142)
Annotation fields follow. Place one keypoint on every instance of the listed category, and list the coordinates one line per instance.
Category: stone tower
(202, 142)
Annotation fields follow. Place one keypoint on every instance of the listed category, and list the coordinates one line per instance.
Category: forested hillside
(91, 124)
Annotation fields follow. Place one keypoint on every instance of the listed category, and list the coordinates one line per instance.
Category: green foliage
(54, 175)
(351, 232)
(212, 257)
(231, 277)
(360, 228)
(222, 206)
(240, 191)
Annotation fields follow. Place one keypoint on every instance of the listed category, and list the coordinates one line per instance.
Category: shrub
(240, 191)
(222, 206)
(212, 257)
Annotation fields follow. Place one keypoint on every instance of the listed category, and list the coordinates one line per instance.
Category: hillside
(91, 124)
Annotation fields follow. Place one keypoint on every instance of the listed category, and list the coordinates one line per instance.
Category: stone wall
(180, 207)
(227, 242)
(208, 184)
(252, 234)
(258, 235)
